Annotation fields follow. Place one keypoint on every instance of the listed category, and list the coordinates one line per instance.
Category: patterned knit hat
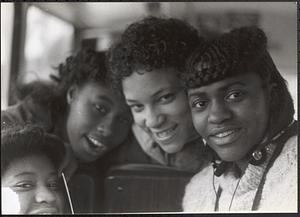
(242, 50)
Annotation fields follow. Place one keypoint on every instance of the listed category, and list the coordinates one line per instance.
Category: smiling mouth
(166, 134)
(45, 211)
(226, 137)
(95, 144)
(226, 133)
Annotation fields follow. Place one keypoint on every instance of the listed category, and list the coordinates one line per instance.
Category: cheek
(26, 202)
(138, 118)
(259, 119)
(60, 202)
(199, 123)
(80, 119)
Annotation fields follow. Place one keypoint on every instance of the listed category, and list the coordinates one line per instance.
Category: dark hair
(152, 43)
(86, 65)
(22, 141)
(243, 50)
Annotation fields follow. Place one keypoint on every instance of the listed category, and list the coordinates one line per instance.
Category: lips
(225, 135)
(45, 211)
(166, 135)
(95, 144)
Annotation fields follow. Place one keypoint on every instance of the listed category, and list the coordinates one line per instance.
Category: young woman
(81, 108)
(145, 65)
(29, 172)
(243, 110)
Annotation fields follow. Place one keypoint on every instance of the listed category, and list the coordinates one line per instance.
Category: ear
(72, 93)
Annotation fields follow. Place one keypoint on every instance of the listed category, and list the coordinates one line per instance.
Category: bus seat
(82, 191)
(144, 188)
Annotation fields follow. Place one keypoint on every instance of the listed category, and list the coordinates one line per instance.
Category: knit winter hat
(242, 50)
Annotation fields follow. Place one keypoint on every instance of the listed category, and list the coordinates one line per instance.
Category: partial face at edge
(35, 183)
(98, 120)
(160, 106)
(231, 115)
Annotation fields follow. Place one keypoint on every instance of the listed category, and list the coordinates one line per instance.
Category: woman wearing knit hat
(30, 160)
(145, 65)
(243, 110)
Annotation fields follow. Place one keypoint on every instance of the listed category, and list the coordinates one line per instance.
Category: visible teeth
(220, 135)
(165, 133)
(96, 142)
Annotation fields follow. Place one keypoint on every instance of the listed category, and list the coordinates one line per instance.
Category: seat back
(144, 188)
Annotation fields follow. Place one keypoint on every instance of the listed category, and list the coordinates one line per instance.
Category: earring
(257, 157)
(204, 142)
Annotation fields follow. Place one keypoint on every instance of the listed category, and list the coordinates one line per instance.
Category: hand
(148, 144)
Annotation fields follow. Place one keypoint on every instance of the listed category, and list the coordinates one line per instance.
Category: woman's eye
(236, 95)
(136, 107)
(198, 104)
(53, 185)
(23, 186)
(102, 109)
(167, 98)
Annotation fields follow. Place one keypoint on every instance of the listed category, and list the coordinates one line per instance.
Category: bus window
(7, 13)
(48, 41)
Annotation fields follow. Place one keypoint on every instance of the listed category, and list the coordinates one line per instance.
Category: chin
(171, 148)
(228, 156)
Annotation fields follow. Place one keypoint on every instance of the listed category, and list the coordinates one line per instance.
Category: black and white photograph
(149, 108)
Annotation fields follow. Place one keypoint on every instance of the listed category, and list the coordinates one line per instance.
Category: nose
(44, 194)
(218, 112)
(154, 118)
(104, 127)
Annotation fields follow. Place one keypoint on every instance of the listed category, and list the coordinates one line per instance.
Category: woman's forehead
(31, 165)
(243, 80)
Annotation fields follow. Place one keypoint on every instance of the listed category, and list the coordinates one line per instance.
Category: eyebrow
(153, 95)
(227, 86)
(105, 98)
(25, 174)
(32, 174)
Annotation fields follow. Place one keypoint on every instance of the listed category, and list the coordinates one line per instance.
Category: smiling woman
(81, 108)
(145, 65)
(242, 108)
(29, 172)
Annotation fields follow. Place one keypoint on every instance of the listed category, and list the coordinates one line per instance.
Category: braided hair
(243, 50)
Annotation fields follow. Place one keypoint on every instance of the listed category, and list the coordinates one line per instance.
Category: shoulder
(197, 188)
(288, 156)
(281, 179)
(26, 111)
(11, 116)
(286, 162)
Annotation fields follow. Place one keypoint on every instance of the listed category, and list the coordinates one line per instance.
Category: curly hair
(21, 141)
(243, 50)
(152, 43)
(86, 65)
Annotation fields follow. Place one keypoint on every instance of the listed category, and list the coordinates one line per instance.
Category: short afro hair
(152, 43)
(85, 65)
(18, 142)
